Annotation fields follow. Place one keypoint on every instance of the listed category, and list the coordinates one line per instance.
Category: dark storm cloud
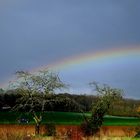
(35, 33)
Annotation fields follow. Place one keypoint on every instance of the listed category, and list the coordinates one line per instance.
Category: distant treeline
(71, 103)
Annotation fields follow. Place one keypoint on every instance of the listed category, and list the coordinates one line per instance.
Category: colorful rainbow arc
(91, 56)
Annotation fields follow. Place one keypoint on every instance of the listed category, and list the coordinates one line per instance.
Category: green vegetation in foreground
(67, 118)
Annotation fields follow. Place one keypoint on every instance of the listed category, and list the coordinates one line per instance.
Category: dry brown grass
(26, 132)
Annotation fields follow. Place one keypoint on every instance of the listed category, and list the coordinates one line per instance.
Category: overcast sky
(35, 33)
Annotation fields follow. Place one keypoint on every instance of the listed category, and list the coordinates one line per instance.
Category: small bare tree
(106, 95)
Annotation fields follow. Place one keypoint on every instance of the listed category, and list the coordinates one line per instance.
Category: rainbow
(92, 56)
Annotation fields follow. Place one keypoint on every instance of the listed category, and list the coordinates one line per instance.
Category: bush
(50, 129)
(85, 128)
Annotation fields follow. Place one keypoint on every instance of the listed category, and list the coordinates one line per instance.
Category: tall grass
(16, 134)
(110, 138)
(11, 136)
(6, 135)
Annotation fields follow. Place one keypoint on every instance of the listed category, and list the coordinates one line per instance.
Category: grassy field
(67, 118)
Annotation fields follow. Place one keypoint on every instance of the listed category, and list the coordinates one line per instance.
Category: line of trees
(72, 103)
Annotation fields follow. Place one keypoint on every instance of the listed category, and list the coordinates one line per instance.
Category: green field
(67, 118)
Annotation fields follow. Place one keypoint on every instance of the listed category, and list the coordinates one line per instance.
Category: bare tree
(34, 88)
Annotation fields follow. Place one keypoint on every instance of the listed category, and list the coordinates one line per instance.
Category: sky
(35, 34)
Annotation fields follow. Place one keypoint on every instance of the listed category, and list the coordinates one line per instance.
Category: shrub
(50, 129)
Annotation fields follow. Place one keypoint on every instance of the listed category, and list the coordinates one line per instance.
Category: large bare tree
(34, 88)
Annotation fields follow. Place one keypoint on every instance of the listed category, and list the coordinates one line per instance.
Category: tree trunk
(38, 122)
(37, 129)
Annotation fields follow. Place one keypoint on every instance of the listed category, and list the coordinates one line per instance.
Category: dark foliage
(72, 103)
